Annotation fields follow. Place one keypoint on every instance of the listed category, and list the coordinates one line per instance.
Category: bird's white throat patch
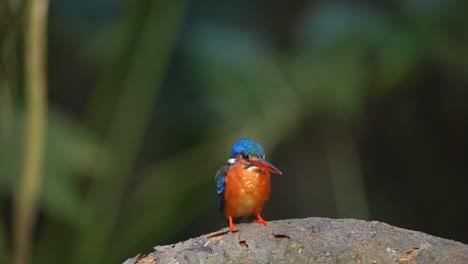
(250, 168)
(254, 168)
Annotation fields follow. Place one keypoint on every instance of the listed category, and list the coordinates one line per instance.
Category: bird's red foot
(260, 220)
(232, 226)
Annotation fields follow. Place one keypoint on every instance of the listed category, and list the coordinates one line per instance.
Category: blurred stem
(35, 86)
(345, 172)
(6, 112)
(5, 116)
(5, 138)
(143, 79)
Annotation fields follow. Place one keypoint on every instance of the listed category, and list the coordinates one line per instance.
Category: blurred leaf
(142, 76)
(69, 154)
(229, 64)
(240, 76)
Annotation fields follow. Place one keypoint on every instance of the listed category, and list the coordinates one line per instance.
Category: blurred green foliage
(147, 96)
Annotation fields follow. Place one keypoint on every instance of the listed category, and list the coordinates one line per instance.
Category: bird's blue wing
(220, 179)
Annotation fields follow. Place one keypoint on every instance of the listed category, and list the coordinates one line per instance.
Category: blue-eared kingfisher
(244, 182)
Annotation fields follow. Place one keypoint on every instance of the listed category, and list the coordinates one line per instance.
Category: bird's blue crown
(245, 145)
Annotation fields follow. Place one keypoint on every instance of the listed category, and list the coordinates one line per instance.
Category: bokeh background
(363, 105)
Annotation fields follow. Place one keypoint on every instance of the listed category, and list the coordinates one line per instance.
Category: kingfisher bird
(243, 184)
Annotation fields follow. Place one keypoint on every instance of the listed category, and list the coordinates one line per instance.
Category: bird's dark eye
(245, 156)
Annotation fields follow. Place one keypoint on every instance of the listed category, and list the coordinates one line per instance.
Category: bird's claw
(260, 221)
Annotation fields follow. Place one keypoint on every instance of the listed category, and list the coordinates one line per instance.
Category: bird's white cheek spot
(231, 161)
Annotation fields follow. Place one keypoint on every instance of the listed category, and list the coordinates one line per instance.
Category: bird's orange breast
(246, 190)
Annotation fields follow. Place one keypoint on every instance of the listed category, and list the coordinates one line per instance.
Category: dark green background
(361, 104)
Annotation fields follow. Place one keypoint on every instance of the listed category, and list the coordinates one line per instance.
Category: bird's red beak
(261, 163)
